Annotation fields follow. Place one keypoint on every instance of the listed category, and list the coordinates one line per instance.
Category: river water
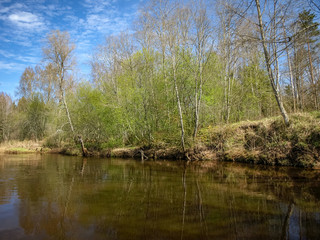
(58, 197)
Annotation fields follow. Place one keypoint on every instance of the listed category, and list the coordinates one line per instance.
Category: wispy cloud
(5, 1)
(97, 6)
(111, 21)
(24, 24)
(6, 54)
(101, 18)
(12, 66)
(6, 9)
(26, 20)
(17, 62)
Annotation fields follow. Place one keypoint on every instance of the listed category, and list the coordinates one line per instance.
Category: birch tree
(59, 51)
(203, 47)
(229, 49)
(269, 63)
(173, 49)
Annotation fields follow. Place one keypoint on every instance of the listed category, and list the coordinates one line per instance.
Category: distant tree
(28, 83)
(309, 35)
(6, 106)
(35, 119)
(47, 82)
(40, 80)
(229, 51)
(202, 42)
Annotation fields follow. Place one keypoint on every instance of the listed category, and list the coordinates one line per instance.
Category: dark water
(55, 197)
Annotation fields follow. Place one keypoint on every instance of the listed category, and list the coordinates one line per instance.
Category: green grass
(17, 150)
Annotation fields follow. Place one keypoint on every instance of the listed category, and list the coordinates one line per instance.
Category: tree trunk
(315, 92)
(297, 78)
(286, 223)
(198, 101)
(178, 103)
(293, 89)
(270, 73)
(196, 127)
(228, 101)
(84, 150)
(67, 111)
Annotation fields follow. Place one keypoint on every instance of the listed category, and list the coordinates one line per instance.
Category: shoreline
(265, 142)
(197, 154)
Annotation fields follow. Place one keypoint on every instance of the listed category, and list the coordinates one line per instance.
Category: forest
(184, 67)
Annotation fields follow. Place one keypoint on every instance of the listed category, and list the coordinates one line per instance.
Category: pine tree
(308, 37)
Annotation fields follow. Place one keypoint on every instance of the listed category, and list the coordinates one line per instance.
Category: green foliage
(257, 98)
(6, 109)
(307, 23)
(35, 118)
(94, 117)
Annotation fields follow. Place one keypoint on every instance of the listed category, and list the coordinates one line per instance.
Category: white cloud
(12, 7)
(23, 17)
(26, 20)
(52, 10)
(97, 6)
(103, 16)
(24, 23)
(6, 54)
(5, 1)
(30, 60)
(97, 22)
(20, 61)
(12, 66)
(4, 10)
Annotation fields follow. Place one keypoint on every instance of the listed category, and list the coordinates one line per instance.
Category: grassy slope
(16, 147)
(267, 141)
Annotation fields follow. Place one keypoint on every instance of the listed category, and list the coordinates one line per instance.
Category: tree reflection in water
(56, 197)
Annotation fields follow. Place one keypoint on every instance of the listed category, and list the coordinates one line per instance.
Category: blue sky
(25, 23)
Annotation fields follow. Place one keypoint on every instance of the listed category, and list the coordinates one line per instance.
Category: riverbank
(267, 142)
(17, 147)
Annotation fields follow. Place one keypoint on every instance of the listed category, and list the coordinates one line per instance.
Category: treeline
(185, 66)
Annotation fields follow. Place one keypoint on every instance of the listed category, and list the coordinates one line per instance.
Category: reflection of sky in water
(9, 214)
(295, 229)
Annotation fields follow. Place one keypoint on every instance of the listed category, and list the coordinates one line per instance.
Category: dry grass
(268, 141)
(20, 147)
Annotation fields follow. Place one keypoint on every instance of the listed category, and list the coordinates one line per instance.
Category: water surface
(58, 197)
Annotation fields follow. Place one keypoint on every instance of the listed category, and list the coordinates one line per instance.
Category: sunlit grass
(268, 141)
(20, 147)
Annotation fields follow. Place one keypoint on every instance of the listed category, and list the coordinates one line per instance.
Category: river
(59, 197)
